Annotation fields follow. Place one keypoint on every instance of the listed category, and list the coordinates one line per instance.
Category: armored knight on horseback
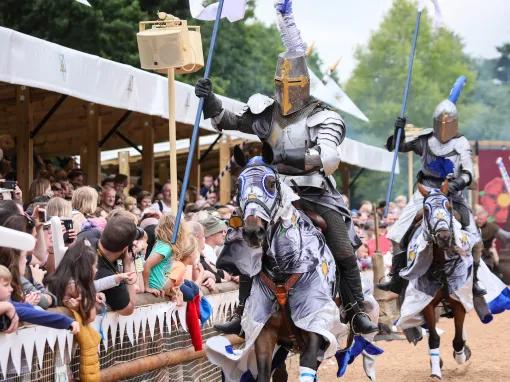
(444, 153)
(300, 137)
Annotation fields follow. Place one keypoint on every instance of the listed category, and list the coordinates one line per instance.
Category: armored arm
(465, 176)
(415, 145)
(221, 118)
(329, 130)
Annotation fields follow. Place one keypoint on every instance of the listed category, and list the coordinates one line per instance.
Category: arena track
(403, 362)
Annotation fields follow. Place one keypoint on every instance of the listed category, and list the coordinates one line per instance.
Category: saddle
(281, 291)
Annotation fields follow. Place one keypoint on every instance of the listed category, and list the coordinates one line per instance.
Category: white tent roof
(29, 61)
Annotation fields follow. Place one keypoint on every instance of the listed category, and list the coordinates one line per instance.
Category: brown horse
(438, 219)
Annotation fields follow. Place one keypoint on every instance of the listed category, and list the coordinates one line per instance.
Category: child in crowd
(26, 289)
(27, 312)
(160, 259)
(176, 287)
(73, 281)
(179, 289)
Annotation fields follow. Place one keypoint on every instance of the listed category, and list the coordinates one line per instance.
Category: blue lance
(196, 126)
(403, 110)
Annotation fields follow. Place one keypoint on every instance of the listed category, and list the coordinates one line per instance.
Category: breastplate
(290, 132)
(437, 163)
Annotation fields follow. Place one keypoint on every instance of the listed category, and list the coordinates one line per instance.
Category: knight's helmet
(446, 116)
(292, 81)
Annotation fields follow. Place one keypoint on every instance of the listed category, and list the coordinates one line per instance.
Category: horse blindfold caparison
(259, 192)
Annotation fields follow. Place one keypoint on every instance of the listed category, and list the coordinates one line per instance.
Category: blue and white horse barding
(439, 269)
(291, 302)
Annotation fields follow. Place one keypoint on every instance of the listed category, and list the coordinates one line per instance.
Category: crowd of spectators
(117, 245)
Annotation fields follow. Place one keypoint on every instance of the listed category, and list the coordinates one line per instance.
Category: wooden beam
(226, 179)
(24, 143)
(148, 156)
(92, 166)
(194, 182)
(124, 168)
(172, 139)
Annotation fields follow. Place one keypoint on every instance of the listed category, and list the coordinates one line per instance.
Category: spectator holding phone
(117, 237)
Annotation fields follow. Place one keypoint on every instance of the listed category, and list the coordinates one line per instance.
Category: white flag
(438, 17)
(332, 94)
(84, 2)
(233, 10)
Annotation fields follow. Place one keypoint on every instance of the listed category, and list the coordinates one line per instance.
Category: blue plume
(285, 8)
(441, 166)
(457, 89)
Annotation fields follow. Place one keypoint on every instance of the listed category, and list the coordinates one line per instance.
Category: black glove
(456, 185)
(212, 104)
(400, 124)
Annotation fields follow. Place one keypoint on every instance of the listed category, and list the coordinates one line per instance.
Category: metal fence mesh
(56, 369)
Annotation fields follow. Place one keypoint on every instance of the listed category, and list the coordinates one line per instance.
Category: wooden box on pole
(170, 45)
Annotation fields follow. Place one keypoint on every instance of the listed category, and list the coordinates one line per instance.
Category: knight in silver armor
(444, 154)
(301, 137)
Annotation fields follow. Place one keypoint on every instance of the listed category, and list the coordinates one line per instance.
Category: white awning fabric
(29, 61)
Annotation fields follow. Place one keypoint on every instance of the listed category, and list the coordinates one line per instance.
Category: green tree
(378, 80)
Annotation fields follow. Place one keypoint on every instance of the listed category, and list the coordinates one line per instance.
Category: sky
(339, 26)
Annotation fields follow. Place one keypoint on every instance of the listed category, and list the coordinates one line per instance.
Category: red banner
(494, 185)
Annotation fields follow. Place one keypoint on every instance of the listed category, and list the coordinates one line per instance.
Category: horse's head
(438, 215)
(258, 195)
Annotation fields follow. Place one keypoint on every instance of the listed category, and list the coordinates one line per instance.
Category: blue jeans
(189, 290)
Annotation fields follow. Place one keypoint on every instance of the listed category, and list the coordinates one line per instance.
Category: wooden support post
(24, 144)
(93, 164)
(124, 168)
(194, 182)
(84, 156)
(148, 156)
(226, 179)
(410, 175)
(172, 140)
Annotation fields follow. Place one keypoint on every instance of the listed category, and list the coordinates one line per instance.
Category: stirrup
(361, 313)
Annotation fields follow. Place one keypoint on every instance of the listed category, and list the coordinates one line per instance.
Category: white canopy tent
(40, 64)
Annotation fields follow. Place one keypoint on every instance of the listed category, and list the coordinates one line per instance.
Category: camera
(139, 234)
(5, 322)
(8, 184)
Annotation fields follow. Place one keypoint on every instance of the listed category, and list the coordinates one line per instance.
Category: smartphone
(42, 215)
(8, 184)
(68, 223)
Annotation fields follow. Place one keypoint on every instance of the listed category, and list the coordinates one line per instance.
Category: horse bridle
(431, 230)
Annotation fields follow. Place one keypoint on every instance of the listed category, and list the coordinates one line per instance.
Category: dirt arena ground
(402, 362)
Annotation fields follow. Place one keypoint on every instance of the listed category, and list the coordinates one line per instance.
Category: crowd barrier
(152, 344)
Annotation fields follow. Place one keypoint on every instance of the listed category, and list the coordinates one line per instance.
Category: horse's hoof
(464, 356)
(434, 377)
(467, 350)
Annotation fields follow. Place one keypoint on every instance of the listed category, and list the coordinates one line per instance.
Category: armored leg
(398, 261)
(233, 325)
(478, 290)
(351, 291)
